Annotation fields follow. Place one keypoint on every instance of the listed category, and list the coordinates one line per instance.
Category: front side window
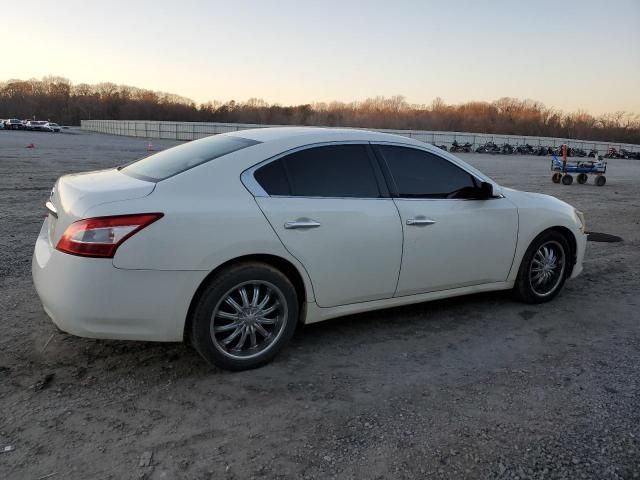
(178, 159)
(420, 174)
(326, 171)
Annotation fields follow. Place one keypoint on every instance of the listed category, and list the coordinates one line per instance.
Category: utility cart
(562, 171)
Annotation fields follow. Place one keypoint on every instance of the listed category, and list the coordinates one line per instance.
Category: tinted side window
(273, 178)
(329, 171)
(420, 174)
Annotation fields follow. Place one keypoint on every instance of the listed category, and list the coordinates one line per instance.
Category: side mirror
(486, 190)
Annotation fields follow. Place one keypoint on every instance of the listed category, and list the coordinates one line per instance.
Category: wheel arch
(569, 237)
(275, 261)
(522, 288)
(571, 240)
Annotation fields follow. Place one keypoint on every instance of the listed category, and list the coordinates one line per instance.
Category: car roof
(308, 135)
(284, 138)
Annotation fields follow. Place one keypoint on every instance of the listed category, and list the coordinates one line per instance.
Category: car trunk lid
(74, 194)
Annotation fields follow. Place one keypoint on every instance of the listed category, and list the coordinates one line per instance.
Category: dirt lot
(478, 387)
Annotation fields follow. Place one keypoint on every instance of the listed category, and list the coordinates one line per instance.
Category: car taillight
(101, 236)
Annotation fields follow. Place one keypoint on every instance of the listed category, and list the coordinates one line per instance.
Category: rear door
(330, 208)
(451, 238)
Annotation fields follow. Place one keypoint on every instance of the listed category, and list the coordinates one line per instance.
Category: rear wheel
(601, 180)
(582, 178)
(245, 316)
(544, 268)
(567, 180)
(556, 177)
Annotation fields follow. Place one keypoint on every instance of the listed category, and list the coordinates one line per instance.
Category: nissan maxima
(230, 242)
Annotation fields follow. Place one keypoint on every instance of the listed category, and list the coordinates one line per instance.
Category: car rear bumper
(89, 297)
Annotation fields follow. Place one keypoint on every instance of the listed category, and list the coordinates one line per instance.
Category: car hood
(536, 200)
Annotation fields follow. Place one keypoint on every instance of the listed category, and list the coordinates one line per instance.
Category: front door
(451, 238)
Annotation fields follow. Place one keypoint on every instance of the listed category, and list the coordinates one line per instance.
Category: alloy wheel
(547, 268)
(248, 319)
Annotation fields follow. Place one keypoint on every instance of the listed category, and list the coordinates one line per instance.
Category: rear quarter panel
(209, 219)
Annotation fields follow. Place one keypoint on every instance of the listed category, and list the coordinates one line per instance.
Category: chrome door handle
(420, 221)
(301, 224)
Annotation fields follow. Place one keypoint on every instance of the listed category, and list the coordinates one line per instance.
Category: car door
(330, 208)
(451, 237)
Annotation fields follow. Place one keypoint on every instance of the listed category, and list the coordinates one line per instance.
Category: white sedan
(231, 241)
(51, 127)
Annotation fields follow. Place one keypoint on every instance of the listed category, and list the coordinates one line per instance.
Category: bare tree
(57, 99)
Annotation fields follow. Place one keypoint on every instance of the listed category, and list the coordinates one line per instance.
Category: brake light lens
(101, 236)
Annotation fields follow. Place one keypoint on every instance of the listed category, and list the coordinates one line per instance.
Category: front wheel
(582, 178)
(601, 180)
(556, 177)
(244, 316)
(544, 268)
(567, 179)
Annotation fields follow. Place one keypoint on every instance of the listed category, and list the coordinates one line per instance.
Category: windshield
(176, 160)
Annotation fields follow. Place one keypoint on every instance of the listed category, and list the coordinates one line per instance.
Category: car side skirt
(315, 314)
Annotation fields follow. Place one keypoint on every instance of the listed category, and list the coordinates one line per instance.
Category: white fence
(195, 130)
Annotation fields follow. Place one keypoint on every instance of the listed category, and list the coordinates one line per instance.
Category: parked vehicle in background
(613, 153)
(231, 241)
(51, 127)
(35, 125)
(524, 149)
(578, 152)
(1, 124)
(507, 149)
(488, 147)
(544, 150)
(13, 124)
(629, 154)
(459, 148)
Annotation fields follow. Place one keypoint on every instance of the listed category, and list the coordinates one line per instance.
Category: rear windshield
(176, 160)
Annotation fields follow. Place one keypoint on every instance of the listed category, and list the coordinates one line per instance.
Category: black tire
(582, 178)
(567, 179)
(523, 288)
(211, 299)
(601, 180)
(556, 177)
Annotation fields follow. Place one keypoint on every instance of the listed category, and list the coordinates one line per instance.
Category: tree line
(58, 100)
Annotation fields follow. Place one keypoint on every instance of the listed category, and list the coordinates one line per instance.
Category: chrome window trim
(330, 198)
(404, 199)
(251, 184)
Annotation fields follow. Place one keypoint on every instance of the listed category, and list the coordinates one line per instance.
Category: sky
(567, 54)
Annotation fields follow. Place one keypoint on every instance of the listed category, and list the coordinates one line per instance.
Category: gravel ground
(474, 387)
